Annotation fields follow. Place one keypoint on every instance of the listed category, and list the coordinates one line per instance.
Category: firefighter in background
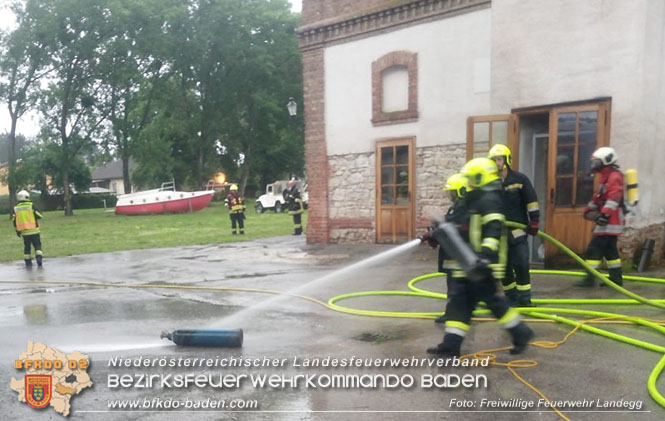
(607, 209)
(236, 205)
(487, 238)
(294, 203)
(25, 218)
(521, 205)
(456, 186)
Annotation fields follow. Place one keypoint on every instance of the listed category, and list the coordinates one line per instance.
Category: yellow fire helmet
(458, 183)
(234, 187)
(501, 150)
(480, 172)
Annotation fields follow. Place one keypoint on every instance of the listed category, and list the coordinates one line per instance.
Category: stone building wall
(352, 187)
(632, 240)
(434, 165)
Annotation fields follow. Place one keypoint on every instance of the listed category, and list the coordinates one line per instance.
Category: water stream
(235, 318)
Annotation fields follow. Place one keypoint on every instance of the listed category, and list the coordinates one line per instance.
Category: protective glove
(18, 234)
(602, 219)
(427, 237)
(533, 228)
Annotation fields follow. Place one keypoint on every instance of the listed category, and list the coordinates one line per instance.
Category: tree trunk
(12, 163)
(245, 173)
(200, 164)
(125, 175)
(68, 194)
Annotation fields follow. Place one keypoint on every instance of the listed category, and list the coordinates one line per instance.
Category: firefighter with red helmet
(236, 205)
(521, 207)
(294, 204)
(607, 209)
(487, 243)
(26, 222)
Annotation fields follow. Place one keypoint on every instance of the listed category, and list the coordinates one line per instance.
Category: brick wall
(633, 239)
(395, 58)
(316, 157)
(318, 10)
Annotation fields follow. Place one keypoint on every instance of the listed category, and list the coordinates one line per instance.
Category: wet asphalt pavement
(124, 324)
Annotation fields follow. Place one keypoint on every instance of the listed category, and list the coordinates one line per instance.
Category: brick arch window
(395, 88)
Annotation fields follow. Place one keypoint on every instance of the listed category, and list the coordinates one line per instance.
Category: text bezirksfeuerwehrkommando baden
(295, 361)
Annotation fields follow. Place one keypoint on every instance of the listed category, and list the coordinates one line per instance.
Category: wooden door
(575, 132)
(394, 190)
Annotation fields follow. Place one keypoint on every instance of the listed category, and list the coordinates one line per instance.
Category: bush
(57, 201)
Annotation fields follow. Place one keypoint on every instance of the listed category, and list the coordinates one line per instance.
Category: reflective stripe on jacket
(236, 203)
(25, 218)
(609, 200)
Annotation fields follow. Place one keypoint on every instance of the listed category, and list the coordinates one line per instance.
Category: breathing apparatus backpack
(632, 192)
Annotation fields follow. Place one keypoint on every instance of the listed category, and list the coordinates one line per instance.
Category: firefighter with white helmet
(236, 204)
(294, 203)
(487, 239)
(607, 209)
(522, 207)
(26, 222)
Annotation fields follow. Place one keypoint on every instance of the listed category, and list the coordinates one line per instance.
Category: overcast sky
(29, 124)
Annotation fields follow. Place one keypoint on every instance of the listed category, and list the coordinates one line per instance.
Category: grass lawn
(95, 230)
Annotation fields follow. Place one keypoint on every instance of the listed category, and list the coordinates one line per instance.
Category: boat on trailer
(165, 199)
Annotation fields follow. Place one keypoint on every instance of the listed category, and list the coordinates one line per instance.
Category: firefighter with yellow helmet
(487, 239)
(522, 207)
(236, 205)
(456, 186)
(25, 218)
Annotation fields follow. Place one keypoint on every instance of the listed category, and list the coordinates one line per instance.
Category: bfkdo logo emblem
(38, 390)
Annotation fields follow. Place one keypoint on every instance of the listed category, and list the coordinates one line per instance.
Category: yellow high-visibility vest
(25, 218)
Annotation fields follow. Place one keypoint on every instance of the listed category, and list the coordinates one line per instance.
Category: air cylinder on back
(227, 338)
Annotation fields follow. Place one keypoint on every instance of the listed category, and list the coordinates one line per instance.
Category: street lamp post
(292, 106)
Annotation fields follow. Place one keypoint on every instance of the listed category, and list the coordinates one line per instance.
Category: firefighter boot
(524, 298)
(39, 258)
(587, 282)
(521, 334)
(511, 295)
(615, 276)
(450, 347)
(28, 263)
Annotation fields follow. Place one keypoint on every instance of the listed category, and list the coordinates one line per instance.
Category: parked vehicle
(273, 198)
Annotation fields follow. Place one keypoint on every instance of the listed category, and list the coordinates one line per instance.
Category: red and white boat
(165, 199)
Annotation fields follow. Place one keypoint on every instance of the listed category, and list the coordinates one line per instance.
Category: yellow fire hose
(544, 313)
(540, 313)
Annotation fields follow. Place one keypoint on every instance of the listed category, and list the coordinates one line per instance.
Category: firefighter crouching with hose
(482, 259)
(25, 218)
(456, 186)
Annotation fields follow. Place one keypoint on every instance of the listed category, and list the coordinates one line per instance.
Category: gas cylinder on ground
(228, 338)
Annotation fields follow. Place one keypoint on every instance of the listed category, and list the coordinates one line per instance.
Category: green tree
(23, 62)
(235, 64)
(134, 66)
(70, 106)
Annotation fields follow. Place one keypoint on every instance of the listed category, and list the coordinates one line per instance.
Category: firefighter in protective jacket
(457, 186)
(25, 218)
(294, 203)
(522, 207)
(487, 238)
(607, 209)
(236, 205)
